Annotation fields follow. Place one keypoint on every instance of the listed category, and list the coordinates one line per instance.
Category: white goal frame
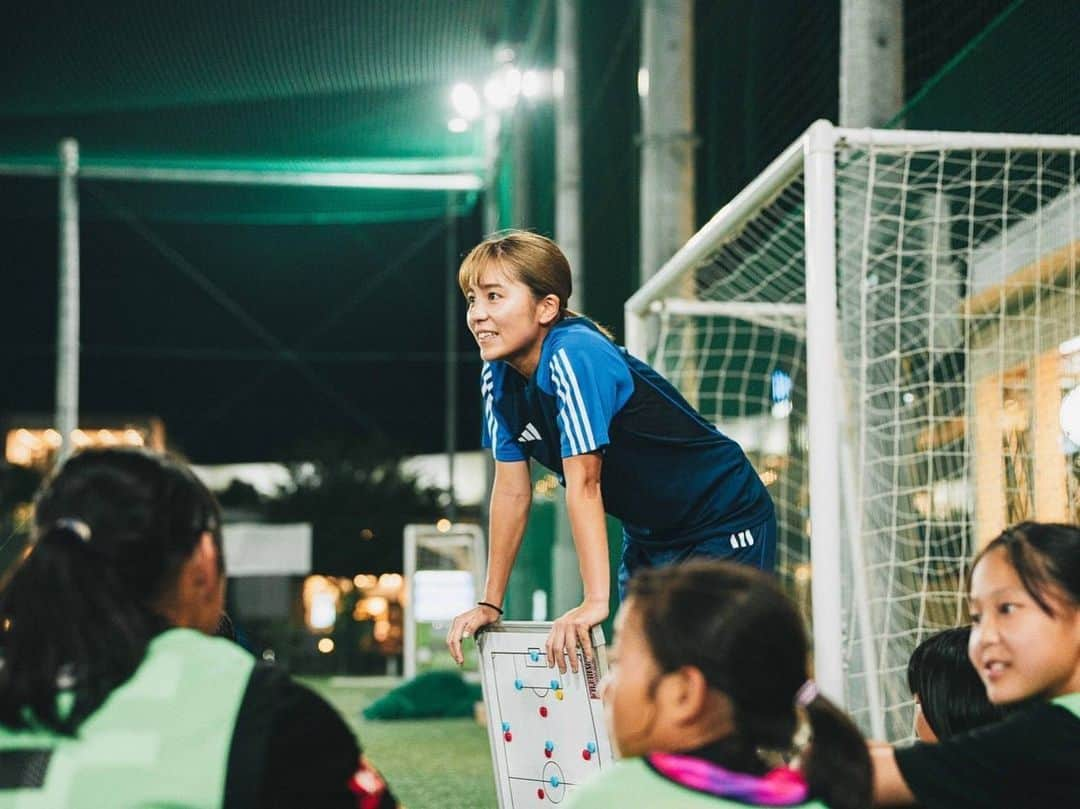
(813, 156)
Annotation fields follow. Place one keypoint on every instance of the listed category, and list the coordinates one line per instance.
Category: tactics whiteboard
(546, 728)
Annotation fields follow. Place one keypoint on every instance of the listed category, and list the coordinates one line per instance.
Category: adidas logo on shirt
(743, 539)
(530, 433)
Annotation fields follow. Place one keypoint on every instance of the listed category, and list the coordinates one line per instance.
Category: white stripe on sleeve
(560, 356)
(567, 412)
(489, 406)
(487, 386)
(569, 432)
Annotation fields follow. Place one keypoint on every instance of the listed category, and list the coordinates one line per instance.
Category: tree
(358, 501)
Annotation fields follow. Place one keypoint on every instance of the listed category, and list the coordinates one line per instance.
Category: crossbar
(273, 177)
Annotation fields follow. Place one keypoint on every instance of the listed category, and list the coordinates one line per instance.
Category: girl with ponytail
(113, 691)
(710, 704)
(127, 543)
(1024, 602)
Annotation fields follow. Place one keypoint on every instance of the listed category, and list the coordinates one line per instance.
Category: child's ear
(204, 561)
(688, 694)
(690, 700)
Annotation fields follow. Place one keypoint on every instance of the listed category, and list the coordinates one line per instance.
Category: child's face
(1019, 650)
(629, 689)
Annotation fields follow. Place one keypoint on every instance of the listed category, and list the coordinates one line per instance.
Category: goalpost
(887, 322)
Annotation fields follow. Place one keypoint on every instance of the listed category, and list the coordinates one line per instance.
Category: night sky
(250, 329)
(189, 323)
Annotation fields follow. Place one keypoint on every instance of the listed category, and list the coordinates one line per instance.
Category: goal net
(888, 323)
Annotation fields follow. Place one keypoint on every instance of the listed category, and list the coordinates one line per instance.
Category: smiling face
(1018, 649)
(507, 320)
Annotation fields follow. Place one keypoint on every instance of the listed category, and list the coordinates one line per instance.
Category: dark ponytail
(748, 640)
(112, 529)
(836, 762)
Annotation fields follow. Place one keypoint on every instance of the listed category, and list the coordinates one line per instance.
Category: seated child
(949, 696)
(114, 692)
(1025, 646)
(708, 696)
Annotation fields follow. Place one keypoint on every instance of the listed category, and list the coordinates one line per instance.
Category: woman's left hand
(572, 630)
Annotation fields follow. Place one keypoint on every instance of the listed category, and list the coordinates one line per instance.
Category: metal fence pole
(67, 315)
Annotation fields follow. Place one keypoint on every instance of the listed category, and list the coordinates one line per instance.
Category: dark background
(255, 320)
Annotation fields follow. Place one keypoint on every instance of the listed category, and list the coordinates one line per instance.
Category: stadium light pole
(666, 90)
(67, 315)
(451, 352)
(871, 61)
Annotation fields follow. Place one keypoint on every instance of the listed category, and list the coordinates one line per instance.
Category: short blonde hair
(534, 260)
(530, 258)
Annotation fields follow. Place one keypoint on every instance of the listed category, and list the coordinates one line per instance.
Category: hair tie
(74, 526)
(806, 694)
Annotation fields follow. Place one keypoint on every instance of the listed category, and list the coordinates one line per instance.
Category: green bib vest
(160, 740)
(631, 782)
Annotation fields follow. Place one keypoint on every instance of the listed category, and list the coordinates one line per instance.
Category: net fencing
(956, 265)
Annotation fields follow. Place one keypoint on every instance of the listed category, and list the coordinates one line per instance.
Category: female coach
(619, 437)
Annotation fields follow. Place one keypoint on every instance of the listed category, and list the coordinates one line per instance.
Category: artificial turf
(430, 763)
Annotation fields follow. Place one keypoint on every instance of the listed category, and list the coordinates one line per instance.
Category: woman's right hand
(466, 625)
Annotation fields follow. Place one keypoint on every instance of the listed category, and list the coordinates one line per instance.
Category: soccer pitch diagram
(546, 728)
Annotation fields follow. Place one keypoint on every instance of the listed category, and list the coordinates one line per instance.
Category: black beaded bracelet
(489, 604)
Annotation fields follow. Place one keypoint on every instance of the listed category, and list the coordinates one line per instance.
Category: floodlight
(497, 93)
(466, 101)
(533, 84)
(512, 80)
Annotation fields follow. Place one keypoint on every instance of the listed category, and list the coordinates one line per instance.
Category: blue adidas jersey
(669, 475)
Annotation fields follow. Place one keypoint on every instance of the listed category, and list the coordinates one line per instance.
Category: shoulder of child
(632, 782)
(617, 783)
(997, 764)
